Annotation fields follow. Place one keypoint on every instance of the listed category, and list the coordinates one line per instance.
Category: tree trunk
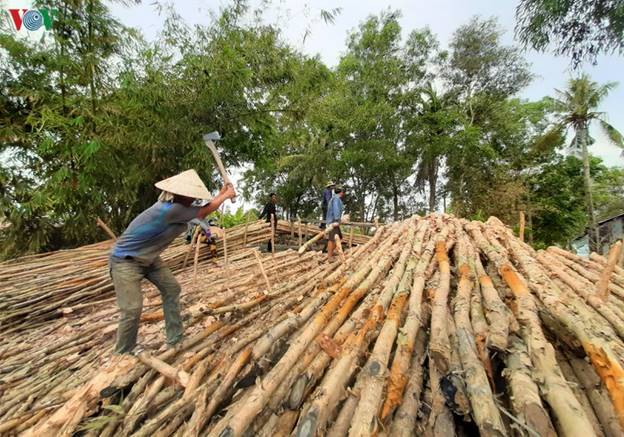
(90, 65)
(395, 201)
(594, 237)
(433, 179)
(530, 224)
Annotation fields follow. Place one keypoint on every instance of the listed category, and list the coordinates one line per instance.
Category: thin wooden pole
(245, 234)
(299, 230)
(196, 260)
(105, 228)
(339, 248)
(521, 228)
(179, 376)
(264, 275)
(602, 288)
(191, 246)
(316, 238)
(273, 236)
(225, 249)
(351, 237)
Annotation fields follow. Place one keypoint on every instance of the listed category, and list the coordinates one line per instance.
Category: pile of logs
(36, 289)
(435, 326)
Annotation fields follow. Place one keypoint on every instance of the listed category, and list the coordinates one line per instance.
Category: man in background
(327, 195)
(270, 212)
(333, 216)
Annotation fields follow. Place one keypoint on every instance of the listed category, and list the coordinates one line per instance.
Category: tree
(576, 107)
(93, 116)
(483, 74)
(480, 69)
(371, 76)
(430, 136)
(52, 91)
(609, 192)
(580, 29)
(353, 131)
(558, 201)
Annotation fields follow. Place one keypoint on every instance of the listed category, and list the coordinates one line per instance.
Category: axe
(209, 140)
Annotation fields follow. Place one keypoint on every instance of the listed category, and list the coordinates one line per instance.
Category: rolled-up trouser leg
(160, 275)
(127, 277)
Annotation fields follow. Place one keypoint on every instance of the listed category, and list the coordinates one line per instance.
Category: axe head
(212, 136)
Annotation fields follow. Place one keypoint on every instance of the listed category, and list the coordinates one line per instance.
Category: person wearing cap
(136, 254)
(334, 215)
(327, 195)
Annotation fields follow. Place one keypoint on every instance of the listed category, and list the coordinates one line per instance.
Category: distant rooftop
(620, 215)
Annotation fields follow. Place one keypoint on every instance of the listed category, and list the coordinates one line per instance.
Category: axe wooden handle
(217, 158)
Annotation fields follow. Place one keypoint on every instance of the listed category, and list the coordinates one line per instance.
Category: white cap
(186, 184)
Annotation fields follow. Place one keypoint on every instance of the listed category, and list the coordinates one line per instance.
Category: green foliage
(229, 220)
(608, 192)
(557, 206)
(479, 65)
(579, 29)
(93, 115)
(91, 124)
(576, 109)
(557, 195)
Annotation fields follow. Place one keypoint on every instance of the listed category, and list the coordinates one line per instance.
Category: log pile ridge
(434, 326)
(37, 288)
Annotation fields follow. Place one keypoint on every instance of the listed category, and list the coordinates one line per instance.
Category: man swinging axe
(136, 254)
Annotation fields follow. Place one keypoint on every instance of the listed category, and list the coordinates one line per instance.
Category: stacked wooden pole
(435, 326)
(39, 288)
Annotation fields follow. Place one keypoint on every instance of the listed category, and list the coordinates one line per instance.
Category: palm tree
(577, 110)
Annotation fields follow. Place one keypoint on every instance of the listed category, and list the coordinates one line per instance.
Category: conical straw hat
(186, 184)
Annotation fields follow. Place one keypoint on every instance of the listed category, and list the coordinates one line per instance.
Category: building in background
(610, 230)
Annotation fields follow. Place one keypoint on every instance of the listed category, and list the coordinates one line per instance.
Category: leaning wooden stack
(37, 289)
(436, 326)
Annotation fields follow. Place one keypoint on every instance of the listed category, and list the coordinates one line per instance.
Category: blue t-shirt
(334, 210)
(153, 230)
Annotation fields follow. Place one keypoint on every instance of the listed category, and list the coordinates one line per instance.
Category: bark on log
(404, 422)
(524, 393)
(484, 409)
(496, 311)
(313, 421)
(177, 375)
(440, 421)
(66, 418)
(553, 386)
(597, 395)
(439, 346)
(409, 331)
(574, 384)
(602, 287)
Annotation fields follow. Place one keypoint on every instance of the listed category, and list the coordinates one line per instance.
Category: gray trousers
(127, 275)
